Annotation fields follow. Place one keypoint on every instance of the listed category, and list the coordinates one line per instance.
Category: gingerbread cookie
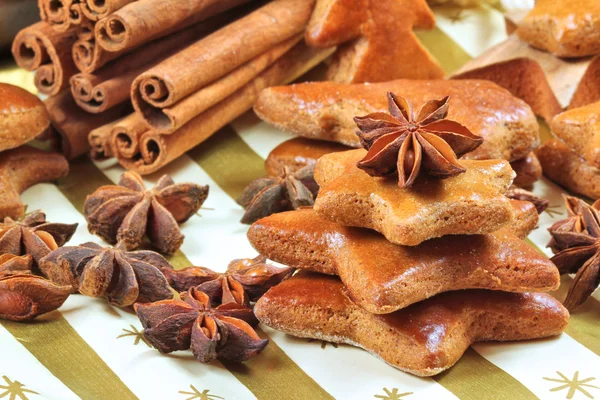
(383, 277)
(326, 111)
(423, 339)
(579, 129)
(525, 218)
(469, 203)
(528, 170)
(563, 28)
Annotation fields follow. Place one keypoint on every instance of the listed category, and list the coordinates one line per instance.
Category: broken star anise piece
(191, 323)
(24, 296)
(122, 277)
(577, 245)
(289, 191)
(404, 142)
(33, 235)
(244, 281)
(11, 264)
(127, 211)
(516, 193)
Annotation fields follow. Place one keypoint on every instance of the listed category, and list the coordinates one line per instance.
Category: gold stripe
(232, 164)
(60, 349)
(83, 179)
(473, 375)
(583, 324)
(448, 53)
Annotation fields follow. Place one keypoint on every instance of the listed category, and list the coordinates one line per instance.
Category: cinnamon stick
(206, 61)
(48, 52)
(157, 150)
(56, 13)
(145, 20)
(99, 140)
(169, 119)
(125, 136)
(73, 124)
(98, 9)
(110, 85)
(88, 56)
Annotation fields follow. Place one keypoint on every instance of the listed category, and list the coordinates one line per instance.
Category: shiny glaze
(579, 128)
(299, 152)
(382, 277)
(15, 100)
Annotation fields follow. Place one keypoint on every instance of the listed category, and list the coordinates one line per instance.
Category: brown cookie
(297, 153)
(566, 168)
(469, 203)
(383, 277)
(23, 116)
(528, 170)
(563, 28)
(525, 218)
(325, 110)
(423, 339)
(579, 129)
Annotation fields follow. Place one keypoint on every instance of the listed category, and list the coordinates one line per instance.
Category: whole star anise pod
(404, 142)
(24, 296)
(122, 277)
(127, 211)
(573, 222)
(191, 323)
(244, 281)
(516, 193)
(289, 191)
(33, 235)
(578, 251)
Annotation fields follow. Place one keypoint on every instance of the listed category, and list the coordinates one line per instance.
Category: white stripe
(260, 136)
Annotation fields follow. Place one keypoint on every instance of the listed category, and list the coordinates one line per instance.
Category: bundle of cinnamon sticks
(146, 80)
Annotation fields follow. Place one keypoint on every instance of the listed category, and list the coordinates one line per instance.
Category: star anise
(191, 323)
(127, 211)
(289, 191)
(122, 277)
(576, 242)
(244, 281)
(516, 193)
(24, 296)
(573, 222)
(404, 142)
(33, 235)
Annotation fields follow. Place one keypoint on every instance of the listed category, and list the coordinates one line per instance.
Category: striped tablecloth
(91, 350)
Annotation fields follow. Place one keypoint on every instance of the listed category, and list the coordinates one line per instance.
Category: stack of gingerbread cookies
(409, 252)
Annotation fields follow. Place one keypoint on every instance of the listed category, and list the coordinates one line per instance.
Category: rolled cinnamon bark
(98, 9)
(89, 57)
(56, 13)
(146, 20)
(110, 85)
(73, 124)
(99, 140)
(125, 136)
(48, 52)
(205, 61)
(169, 119)
(157, 150)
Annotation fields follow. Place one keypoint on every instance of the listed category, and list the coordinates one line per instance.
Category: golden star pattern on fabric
(392, 394)
(197, 395)
(15, 390)
(573, 385)
(135, 333)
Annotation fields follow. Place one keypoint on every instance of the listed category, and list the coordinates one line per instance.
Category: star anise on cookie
(244, 281)
(404, 142)
(224, 332)
(576, 242)
(289, 191)
(122, 277)
(33, 235)
(127, 211)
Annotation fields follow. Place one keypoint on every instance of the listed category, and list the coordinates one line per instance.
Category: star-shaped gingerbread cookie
(383, 277)
(579, 129)
(469, 203)
(423, 339)
(375, 38)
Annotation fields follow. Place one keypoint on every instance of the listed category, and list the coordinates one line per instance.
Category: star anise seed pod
(24, 296)
(33, 235)
(289, 191)
(122, 277)
(404, 142)
(191, 323)
(127, 211)
(246, 280)
(573, 222)
(11, 264)
(578, 252)
(516, 193)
